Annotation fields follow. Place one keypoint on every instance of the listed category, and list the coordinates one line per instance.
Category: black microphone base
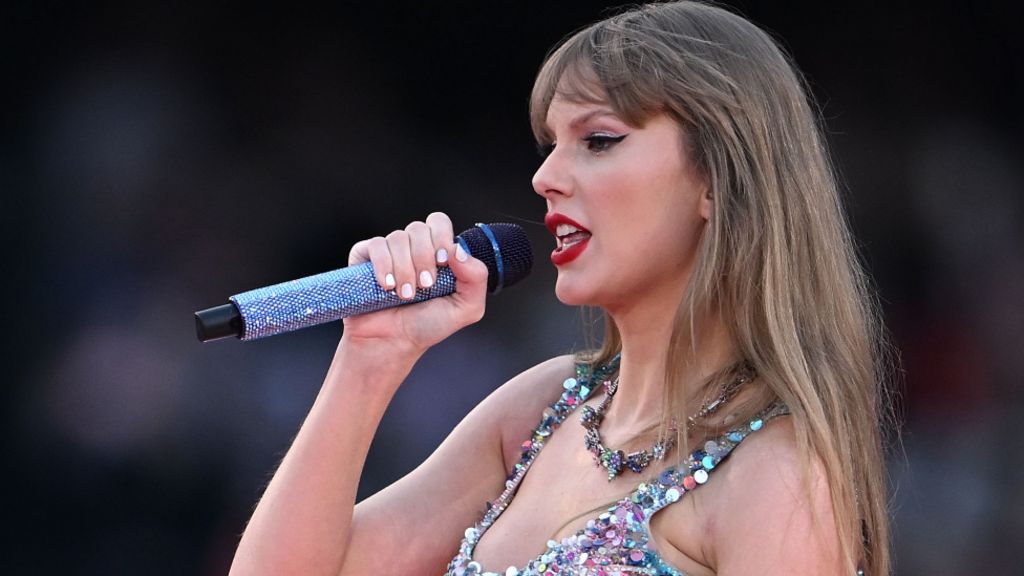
(218, 322)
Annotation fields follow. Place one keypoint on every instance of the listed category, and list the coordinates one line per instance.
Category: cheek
(666, 233)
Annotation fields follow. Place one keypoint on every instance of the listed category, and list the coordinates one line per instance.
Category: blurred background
(156, 159)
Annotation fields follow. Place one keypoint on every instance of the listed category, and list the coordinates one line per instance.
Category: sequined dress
(618, 542)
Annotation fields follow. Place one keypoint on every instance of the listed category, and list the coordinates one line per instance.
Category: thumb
(470, 274)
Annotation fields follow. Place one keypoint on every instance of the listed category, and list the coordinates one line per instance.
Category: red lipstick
(572, 241)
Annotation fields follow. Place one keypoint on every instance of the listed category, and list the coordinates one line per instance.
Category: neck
(645, 334)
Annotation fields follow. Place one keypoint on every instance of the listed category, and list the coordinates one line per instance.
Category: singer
(730, 422)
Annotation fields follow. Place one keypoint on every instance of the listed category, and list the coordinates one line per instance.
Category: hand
(404, 261)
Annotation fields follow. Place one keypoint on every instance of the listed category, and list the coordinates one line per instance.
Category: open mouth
(569, 235)
(571, 238)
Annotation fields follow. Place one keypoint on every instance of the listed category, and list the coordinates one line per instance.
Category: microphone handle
(308, 302)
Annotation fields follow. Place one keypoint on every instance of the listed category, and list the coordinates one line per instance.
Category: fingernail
(426, 279)
(460, 254)
(442, 256)
(389, 280)
(407, 290)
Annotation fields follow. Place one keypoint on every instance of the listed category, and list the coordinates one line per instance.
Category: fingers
(408, 259)
(401, 264)
(471, 284)
(443, 236)
(422, 254)
(382, 263)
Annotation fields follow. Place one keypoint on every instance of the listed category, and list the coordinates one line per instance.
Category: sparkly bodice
(618, 542)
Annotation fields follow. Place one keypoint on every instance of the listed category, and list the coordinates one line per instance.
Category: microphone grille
(516, 254)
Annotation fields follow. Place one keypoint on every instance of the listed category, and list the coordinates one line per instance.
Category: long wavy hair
(776, 262)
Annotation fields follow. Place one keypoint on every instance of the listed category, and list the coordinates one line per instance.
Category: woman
(732, 410)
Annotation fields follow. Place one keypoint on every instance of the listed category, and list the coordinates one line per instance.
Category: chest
(562, 492)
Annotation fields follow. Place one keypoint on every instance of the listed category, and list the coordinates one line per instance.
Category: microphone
(354, 290)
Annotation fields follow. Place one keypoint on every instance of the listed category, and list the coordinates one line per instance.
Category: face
(625, 204)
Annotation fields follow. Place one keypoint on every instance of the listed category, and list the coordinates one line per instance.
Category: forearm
(302, 523)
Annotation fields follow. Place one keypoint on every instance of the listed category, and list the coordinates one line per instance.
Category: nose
(554, 177)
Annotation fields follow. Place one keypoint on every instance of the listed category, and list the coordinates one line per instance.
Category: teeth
(565, 229)
(565, 242)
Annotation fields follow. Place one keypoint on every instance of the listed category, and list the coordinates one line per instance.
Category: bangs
(601, 64)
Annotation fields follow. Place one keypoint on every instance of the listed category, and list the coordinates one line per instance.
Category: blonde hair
(776, 263)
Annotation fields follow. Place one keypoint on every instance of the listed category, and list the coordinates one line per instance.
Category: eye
(545, 150)
(602, 142)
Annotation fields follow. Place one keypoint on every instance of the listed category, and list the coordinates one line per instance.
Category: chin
(574, 293)
(565, 292)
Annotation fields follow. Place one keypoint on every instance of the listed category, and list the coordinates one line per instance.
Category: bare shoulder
(526, 394)
(549, 374)
(468, 469)
(518, 404)
(771, 451)
(768, 497)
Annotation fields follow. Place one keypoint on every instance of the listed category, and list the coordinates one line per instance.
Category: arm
(766, 521)
(301, 523)
(305, 522)
(418, 522)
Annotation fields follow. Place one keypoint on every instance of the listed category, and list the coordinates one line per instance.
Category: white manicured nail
(460, 254)
(442, 255)
(426, 280)
(389, 280)
(407, 291)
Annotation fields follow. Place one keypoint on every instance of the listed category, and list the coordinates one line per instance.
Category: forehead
(571, 112)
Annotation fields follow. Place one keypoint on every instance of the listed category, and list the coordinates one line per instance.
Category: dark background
(156, 159)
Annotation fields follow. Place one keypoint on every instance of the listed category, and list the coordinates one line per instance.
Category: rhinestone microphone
(354, 290)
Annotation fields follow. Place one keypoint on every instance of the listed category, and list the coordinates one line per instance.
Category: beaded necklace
(615, 461)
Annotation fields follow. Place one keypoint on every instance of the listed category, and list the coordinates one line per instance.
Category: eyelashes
(595, 143)
(602, 142)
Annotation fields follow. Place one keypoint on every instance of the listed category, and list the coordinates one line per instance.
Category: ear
(707, 203)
